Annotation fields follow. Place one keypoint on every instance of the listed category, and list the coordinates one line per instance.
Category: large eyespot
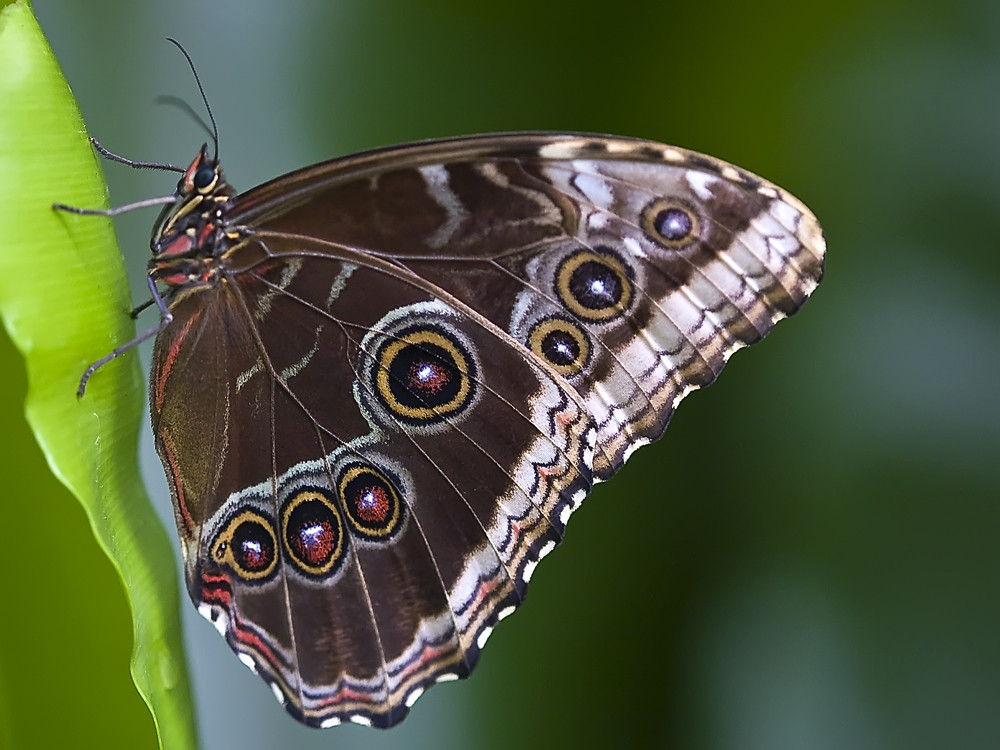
(248, 546)
(371, 500)
(670, 223)
(594, 284)
(313, 532)
(424, 376)
(562, 343)
(417, 371)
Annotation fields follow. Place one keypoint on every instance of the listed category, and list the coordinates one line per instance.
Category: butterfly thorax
(189, 238)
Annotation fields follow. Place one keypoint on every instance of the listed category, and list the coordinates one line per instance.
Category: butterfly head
(201, 177)
(186, 238)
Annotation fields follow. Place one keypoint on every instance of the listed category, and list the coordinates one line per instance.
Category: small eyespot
(562, 343)
(374, 508)
(594, 285)
(248, 546)
(670, 223)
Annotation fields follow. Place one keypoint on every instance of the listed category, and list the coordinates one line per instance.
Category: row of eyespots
(596, 286)
(312, 526)
(423, 375)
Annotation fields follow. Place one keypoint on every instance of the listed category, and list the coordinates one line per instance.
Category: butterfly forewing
(410, 367)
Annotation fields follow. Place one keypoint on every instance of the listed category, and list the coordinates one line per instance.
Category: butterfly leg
(115, 211)
(131, 163)
(165, 319)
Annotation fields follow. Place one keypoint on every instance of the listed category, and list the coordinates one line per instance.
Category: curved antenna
(201, 90)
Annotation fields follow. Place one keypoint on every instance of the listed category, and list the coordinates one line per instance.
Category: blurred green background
(818, 562)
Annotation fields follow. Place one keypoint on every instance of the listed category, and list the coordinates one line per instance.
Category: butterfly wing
(420, 361)
(516, 226)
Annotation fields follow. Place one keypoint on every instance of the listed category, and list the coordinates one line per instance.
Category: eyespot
(248, 546)
(418, 371)
(670, 223)
(371, 500)
(424, 375)
(562, 343)
(594, 284)
(313, 532)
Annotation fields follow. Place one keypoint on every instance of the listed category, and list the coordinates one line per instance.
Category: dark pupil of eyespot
(673, 224)
(560, 348)
(595, 285)
(203, 177)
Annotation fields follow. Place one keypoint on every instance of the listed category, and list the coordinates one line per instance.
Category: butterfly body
(390, 379)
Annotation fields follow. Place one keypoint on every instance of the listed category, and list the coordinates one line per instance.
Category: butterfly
(382, 384)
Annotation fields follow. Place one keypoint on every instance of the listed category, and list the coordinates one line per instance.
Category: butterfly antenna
(204, 98)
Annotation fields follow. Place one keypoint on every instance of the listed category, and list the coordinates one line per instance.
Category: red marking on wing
(257, 645)
(345, 694)
(179, 497)
(163, 372)
(216, 589)
(483, 592)
(428, 655)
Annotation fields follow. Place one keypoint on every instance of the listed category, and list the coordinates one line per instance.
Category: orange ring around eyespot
(222, 548)
(571, 264)
(536, 341)
(459, 364)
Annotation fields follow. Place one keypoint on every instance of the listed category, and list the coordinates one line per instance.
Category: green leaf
(64, 302)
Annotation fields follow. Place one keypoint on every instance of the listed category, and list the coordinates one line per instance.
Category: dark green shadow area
(65, 637)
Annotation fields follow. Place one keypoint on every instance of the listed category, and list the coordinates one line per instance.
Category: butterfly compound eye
(204, 178)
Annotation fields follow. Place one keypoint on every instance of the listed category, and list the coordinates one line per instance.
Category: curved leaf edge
(63, 297)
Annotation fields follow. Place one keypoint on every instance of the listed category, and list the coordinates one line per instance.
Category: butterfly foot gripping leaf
(389, 380)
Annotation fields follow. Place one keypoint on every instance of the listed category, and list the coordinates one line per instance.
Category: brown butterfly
(382, 384)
